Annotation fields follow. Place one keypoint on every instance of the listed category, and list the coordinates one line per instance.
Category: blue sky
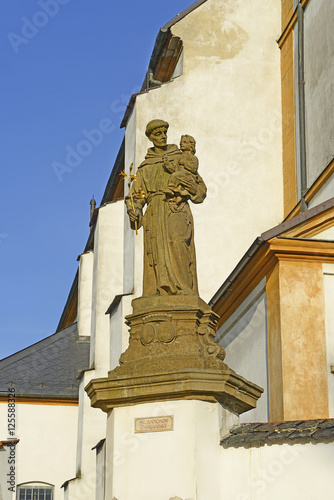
(65, 66)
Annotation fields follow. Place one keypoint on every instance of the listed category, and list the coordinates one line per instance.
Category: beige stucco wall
(328, 270)
(297, 361)
(47, 447)
(228, 98)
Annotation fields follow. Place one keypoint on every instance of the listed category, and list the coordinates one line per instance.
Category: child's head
(188, 143)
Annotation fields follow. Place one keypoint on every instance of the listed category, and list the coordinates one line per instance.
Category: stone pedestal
(170, 332)
(172, 355)
(183, 462)
(173, 379)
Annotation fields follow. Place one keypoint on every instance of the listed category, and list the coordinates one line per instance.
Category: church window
(35, 491)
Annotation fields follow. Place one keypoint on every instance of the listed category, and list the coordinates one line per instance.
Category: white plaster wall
(228, 98)
(133, 257)
(327, 234)
(319, 85)
(85, 293)
(244, 336)
(91, 429)
(160, 465)
(129, 234)
(107, 280)
(100, 472)
(116, 337)
(324, 194)
(46, 451)
(328, 270)
(276, 472)
(5, 494)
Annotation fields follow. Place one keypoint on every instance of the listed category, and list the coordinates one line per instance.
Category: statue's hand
(168, 165)
(134, 215)
(190, 185)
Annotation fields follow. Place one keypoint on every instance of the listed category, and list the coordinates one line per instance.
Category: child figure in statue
(186, 170)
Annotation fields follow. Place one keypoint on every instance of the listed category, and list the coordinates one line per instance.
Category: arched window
(34, 491)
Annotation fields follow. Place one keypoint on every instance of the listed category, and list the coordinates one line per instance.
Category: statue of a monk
(169, 251)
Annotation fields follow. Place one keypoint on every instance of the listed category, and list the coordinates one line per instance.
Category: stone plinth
(170, 333)
(172, 356)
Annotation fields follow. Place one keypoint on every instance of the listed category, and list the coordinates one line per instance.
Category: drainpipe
(301, 107)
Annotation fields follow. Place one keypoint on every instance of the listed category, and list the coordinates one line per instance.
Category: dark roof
(274, 432)
(48, 368)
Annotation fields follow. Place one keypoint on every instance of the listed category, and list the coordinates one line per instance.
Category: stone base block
(172, 356)
(170, 333)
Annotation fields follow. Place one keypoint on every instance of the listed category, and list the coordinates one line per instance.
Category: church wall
(328, 270)
(47, 434)
(103, 274)
(221, 99)
(325, 193)
(132, 258)
(91, 429)
(277, 471)
(129, 235)
(325, 234)
(244, 337)
(117, 342)
(85, 294)
(297, 362)
(107, 280)
(319, 85)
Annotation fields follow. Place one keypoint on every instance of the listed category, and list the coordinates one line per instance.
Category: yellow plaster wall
(297, 341)
(303, 340)
(276, 410)
(288, 111)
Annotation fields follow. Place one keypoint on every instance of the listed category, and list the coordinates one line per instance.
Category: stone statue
(165, 181)
(186, 165)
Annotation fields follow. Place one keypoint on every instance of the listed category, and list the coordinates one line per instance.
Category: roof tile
(274, 432)
(48, 367)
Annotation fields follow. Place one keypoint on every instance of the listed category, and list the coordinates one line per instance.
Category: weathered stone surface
(225, 386)
(171, 352)
(165, 182)
(172, 355)
(168, 333)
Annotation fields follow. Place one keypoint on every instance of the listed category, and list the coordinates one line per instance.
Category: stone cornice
(225, 386)
(264, 261)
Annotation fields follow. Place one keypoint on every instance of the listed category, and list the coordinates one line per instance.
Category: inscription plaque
(154, 424)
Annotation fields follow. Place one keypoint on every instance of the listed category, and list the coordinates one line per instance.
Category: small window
(35, 491)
